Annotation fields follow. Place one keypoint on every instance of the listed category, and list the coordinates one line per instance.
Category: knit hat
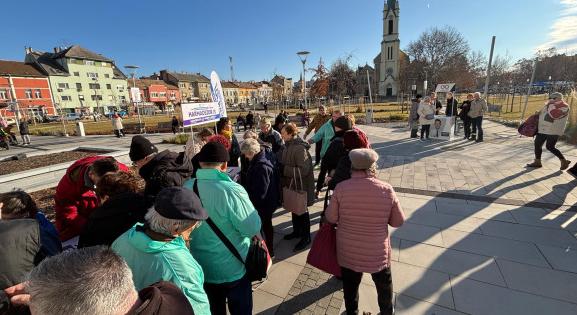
(140, 147)
(179, 203)
(556, 95)
(220, 139)
(213, 152)
(344, 123)
(362, 159)
(353, 140)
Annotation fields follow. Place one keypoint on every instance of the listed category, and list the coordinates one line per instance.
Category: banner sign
(217, 94)
(445, 87)
(135, 93)
(199, 113)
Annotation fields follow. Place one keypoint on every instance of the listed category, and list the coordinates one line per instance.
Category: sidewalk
(499, 240)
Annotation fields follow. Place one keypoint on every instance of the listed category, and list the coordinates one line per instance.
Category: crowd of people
(150, 238)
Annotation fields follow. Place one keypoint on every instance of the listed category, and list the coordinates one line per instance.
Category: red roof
(18, 69)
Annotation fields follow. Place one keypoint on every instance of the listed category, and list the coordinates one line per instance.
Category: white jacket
(423, 111)
(553, 118)
(117, 123)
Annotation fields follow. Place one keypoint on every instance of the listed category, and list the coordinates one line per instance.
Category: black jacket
(114, 217)
(166, 169)
(335, 151)
(174, 122)
(273, 137)
(465, 108)
(245, 163)
(249, 119)
(24, 130)
(234, 152)
(451, 109)
(20, 250)
(342, 172)
(262, 184)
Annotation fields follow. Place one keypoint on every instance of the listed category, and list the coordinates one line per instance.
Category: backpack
(529, 127)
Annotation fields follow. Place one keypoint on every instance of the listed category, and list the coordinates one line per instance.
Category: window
(62, 85)
(81, 97)
(78, 87)
(28, 93)
(38, 93)
(107, 75)
(92, 74)
(390, 26)
(95, 97)
(89, 62)
(123, 98)
(109, 87)
(3, 94)
(76, 74)
(66, 98)
(94, 86)
(154, 94)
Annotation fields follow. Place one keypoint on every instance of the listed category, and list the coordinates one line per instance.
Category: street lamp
(133, 69)
(303, 56)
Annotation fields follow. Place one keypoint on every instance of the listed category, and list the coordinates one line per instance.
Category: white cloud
(563, 33)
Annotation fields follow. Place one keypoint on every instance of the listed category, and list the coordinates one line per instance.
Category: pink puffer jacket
(364, 207)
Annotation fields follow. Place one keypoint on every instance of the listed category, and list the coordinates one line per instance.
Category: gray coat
(294, 157)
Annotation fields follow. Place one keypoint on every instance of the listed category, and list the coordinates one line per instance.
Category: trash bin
(369, 116)
(80, 129)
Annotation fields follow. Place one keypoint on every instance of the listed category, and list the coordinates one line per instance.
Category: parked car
(51, 118)
(72, 117)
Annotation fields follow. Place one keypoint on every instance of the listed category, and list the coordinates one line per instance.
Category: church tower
(388, 69)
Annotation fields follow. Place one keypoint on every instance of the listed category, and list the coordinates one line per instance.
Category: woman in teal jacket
(326, 132)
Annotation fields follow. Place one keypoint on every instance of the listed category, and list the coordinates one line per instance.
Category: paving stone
(421, 283)
(406, 305)
(281, 278)
(265, 303)
(537, 235)
(418, 233)
(564, 259)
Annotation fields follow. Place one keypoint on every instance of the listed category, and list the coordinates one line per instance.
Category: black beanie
(344, 123)
(213, 152)
(140, 148)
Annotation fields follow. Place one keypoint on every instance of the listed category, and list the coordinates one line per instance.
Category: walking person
(174, 124)
(262, 186)
(297, 164)
(318, 121)
(478, 109)
(464, 115)
(426, 113)
(24, 131)
(249, 121)
(117, 126)
(552, 120)
(414, 115)
(364, 203)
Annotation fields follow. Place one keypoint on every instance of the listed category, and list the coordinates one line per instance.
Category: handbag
(323, 253)
(258, 261)
(295, 200)
(429, 116)
(529, 127)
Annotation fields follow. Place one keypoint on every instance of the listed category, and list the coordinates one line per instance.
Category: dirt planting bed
(13, 166)
(45, 201)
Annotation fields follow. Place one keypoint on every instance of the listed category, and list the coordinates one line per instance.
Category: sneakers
(565, 164)
(535, 164)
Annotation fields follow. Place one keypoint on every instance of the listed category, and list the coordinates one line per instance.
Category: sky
(263, 36)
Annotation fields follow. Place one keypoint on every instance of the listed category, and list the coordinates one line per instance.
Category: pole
(488, 79)
(305, 82)
(15, 100)
(529, 89)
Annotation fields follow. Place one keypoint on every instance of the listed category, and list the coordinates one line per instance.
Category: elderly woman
(262, 186)
(297, 163)
(269, 135)
(426, 113)
(352, 139)
(157, 250)
(364, 207)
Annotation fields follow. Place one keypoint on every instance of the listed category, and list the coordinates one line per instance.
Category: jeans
(302, 224)
(551, 140)
(477, 123)
(238, 295)
(267, 229)
(467, 127)
(383, 282)
(26, 139)
(318, 147)
(425, 129)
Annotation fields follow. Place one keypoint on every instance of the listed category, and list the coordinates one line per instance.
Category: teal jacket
(229, 207)
(152, 261)
(325, 133)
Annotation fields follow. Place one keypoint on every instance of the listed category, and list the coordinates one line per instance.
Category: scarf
(227, 134)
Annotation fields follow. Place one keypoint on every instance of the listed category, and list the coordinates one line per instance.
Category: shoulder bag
(258, 261)
(295, 200)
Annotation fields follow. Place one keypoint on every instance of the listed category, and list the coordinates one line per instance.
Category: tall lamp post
(133, 69)
(303, 56)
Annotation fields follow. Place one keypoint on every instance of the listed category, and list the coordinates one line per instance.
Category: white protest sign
(217, 94)
(199, 113)
(444, 87)
(135, 93)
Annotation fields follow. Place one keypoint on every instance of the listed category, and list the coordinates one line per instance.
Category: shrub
(178, 139)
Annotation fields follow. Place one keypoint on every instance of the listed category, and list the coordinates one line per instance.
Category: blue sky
(263, 35)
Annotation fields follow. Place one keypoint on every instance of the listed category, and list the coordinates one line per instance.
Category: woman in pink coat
(364, 207)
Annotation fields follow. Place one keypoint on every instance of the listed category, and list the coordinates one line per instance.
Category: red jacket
(74, 202)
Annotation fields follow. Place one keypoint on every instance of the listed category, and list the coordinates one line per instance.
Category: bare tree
(342, 78)
(437, 49)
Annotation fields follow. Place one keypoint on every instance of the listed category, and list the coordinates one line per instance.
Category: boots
(565, 164)
(536, 164)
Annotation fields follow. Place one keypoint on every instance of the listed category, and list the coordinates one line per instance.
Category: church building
(387, 63)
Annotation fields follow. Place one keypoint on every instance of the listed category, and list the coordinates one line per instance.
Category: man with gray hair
(158, 249)
(93, 281)
(478, 109)
(269, 135)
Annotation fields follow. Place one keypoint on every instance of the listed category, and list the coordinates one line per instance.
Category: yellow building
(247, 93)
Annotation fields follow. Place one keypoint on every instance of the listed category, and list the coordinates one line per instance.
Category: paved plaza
(484, 235)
